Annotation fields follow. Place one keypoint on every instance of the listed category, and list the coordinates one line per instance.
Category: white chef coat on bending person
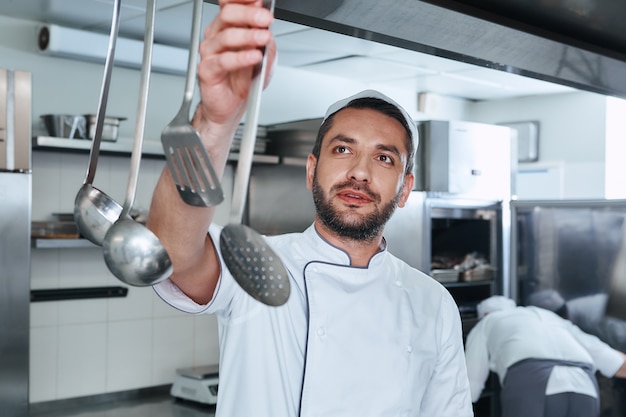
(379, 341)
(507, 334)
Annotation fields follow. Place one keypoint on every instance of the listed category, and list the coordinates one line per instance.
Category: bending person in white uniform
(545, 364)
(362, 334)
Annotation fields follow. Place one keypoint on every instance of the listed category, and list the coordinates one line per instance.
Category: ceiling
(300, 47)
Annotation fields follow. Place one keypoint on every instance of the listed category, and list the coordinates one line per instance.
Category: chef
(545, 364)
(362, 333)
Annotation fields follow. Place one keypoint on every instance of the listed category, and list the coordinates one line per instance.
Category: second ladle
(131, 251)
(95, 211)
(248, 257)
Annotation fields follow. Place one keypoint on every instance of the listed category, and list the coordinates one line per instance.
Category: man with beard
(362, 333)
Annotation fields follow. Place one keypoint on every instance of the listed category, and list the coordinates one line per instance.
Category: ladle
(253, 264)
(131, 251)
(95, 211)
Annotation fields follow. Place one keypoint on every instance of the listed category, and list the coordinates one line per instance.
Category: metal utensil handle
(190, 81)
(248, 138)
(146, 65)
(104, 94)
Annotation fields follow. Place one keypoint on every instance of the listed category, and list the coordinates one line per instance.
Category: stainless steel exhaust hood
(492, 37)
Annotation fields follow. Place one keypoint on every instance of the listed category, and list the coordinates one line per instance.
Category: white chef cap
(494, 303)
(549, 299)
(335, 107)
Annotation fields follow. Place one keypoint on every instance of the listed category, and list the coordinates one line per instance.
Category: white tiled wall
(95, 346)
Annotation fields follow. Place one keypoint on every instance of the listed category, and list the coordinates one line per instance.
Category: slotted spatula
(187, 159)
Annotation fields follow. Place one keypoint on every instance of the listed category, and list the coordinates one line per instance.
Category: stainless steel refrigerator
(15, 221)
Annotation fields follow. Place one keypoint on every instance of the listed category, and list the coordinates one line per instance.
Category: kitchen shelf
(123, 147)
(61, 243)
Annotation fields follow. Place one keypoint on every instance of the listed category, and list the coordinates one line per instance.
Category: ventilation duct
(92, 47)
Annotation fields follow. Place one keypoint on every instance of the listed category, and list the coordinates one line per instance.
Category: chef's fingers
(225, 2)
(249, 15)
(233, 44)
(235, 38)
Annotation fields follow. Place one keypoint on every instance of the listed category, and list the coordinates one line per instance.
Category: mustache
(356, 186)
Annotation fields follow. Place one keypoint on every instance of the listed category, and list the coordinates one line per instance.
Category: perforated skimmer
(248, 257)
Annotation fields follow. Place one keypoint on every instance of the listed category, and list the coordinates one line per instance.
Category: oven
(460, 242)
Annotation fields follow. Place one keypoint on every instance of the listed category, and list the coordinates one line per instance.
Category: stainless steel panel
(594, 25)
(570, 246)
(437, 30)
(278, 200)
(15, 212)
(15, 223)
(576, 250)
(407, 233)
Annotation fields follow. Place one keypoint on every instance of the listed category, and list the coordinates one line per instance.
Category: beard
(364, 228)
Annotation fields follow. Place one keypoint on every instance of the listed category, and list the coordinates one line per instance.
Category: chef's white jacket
(378, 341)
(504, 337)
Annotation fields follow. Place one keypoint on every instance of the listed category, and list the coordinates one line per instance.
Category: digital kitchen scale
(198, 383)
